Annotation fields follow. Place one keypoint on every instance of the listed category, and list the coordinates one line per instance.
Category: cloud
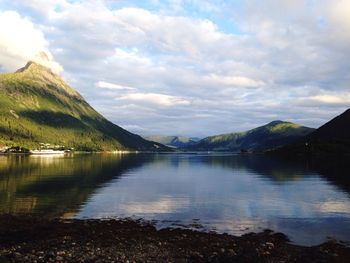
(339, 19)
(21, 41)
(155, 98)
(329, 99)
(42, 7)
(239, 81)
(131, 57)
(107, 85)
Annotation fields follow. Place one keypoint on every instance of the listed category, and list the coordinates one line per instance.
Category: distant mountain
(272, 135)
(36, 106)
(173, 141)
(332, 138)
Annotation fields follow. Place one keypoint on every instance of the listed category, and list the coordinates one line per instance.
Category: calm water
(227, 193)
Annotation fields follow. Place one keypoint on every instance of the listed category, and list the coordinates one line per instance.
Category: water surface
(227, 193)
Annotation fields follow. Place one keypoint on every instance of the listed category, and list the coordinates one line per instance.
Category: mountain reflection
(278, 170)
(53, 186)
(272, 168)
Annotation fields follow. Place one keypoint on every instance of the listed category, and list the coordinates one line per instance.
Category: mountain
(272, 135)
(36, 106)
(173, 141)
(332, 138)
(336, 129)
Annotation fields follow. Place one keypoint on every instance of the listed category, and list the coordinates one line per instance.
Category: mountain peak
(282, 126)
(276, 122)
(43, 75)
(31, 65)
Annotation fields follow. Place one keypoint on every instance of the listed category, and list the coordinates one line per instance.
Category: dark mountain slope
(36, 106)
(331, 139)
(336, 129)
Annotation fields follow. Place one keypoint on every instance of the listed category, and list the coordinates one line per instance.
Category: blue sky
(190, 67)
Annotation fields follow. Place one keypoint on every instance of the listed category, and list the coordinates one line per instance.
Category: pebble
(231, 251)
(146, 243)
(271, 245)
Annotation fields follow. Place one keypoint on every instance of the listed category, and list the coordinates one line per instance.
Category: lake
(228, 193)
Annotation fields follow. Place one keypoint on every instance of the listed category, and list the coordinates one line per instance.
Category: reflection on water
(234, 194)
(53, 186)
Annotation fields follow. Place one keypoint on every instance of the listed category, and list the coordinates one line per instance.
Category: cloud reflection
(161, 206)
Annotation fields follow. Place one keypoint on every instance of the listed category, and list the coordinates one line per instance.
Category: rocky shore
(31, 239)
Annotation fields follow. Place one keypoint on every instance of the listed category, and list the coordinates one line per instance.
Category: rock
(141, 244)
(270, 245)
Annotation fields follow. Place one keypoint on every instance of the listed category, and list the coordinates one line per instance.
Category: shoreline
(34, 239)
(137, 152)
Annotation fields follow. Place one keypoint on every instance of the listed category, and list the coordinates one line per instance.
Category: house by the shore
(3, 148)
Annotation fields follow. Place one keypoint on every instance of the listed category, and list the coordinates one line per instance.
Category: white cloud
(21, 41)
(239, 81)
(107, 85)
(45, 8)
(155, 98)
(342, 98)
(167, 33)
(339, 18)
(132, 56)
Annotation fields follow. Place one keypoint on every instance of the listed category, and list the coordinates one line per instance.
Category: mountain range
(272, 135)
(37, 106)
(173, 141)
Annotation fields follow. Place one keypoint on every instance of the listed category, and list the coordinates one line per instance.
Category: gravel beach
(32, 239)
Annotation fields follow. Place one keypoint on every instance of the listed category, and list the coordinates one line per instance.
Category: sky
(190, 67)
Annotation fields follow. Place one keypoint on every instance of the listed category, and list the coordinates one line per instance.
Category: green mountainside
(272, 135)
(36, 106)
(173, 141)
